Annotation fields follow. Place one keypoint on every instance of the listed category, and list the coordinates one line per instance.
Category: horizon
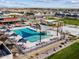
(40, 7)
(39, 4)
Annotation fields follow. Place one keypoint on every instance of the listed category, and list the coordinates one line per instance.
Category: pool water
(29, 34)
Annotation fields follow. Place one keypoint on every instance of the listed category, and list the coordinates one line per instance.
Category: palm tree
(37, 54)
(3, 38)
(1, 33)
(31, 57)
(57, 25)
(38, 26)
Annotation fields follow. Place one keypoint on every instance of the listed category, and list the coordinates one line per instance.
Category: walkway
(40, 50)
(44, 52)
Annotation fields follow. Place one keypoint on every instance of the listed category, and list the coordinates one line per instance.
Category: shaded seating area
(22, 40)
(3, 50)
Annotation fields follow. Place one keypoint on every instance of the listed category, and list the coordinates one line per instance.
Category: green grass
(71, 52)
(51, 18)
(71, 21)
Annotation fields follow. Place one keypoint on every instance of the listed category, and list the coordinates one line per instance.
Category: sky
(40, 3)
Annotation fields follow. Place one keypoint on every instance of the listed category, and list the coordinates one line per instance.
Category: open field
(71, 52)
(71, 21)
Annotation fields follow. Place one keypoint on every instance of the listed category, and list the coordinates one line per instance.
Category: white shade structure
(70, 30)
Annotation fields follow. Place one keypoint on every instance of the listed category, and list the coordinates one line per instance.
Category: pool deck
(44, 40)
(40, 50)
(45, 51)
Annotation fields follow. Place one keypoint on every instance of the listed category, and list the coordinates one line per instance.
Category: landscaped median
(71, 52)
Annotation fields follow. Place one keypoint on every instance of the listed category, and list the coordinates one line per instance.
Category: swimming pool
(29, 34)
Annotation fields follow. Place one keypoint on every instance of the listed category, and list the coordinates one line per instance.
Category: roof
(51, 20)
(3, 50)
(71, 30)
(14, 14)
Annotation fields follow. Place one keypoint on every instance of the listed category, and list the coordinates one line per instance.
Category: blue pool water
(29, 34)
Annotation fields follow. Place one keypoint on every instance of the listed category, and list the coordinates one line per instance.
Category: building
(4, 21)
(49, 22)
(5, 52)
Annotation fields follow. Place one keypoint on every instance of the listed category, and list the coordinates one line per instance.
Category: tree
(38, 26)
(3, 38)
(29, 13)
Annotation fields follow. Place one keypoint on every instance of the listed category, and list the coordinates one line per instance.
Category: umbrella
(13, 34)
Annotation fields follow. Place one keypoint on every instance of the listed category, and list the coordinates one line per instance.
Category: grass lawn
(71, 52)
(51, 18)
(71, 21)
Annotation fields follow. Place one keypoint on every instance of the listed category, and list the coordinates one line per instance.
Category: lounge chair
(18, 37)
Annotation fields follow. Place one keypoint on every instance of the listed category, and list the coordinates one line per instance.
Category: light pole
(40, 33)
